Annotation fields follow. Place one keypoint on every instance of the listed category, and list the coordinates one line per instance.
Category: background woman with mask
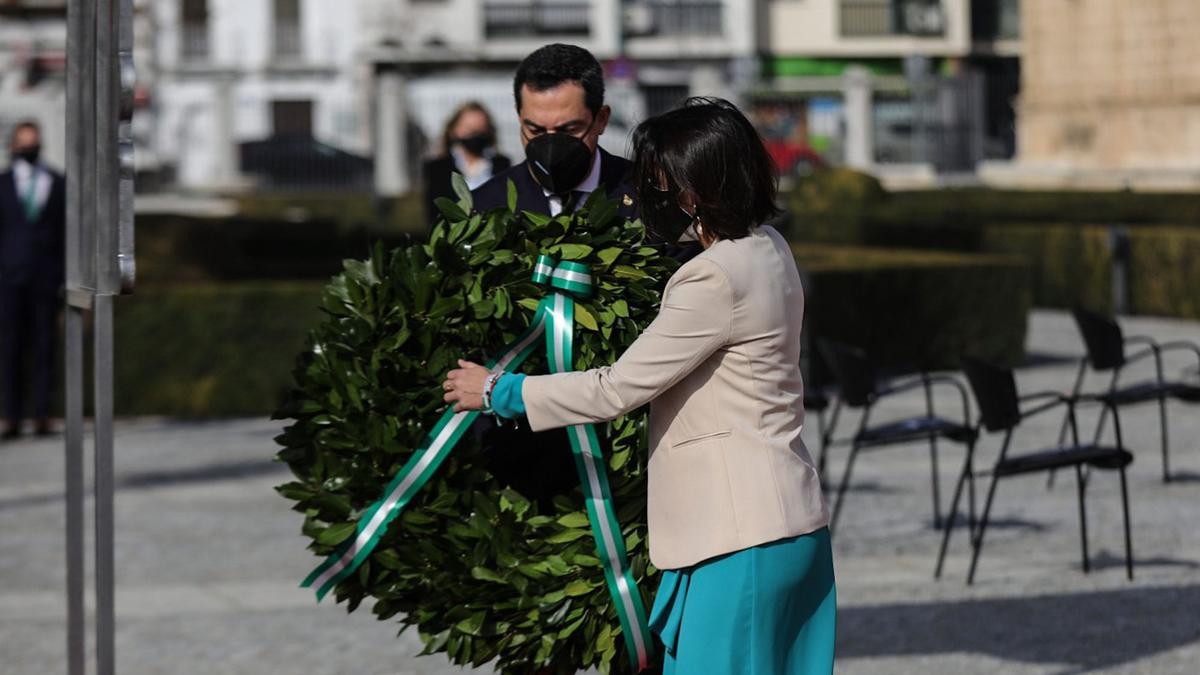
(469, 148)
(737, 519)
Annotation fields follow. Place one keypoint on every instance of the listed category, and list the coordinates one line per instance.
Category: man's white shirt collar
(588, 186)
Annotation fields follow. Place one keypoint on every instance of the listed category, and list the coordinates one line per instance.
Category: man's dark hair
(550, 66)
(23, 124)
(708, 148)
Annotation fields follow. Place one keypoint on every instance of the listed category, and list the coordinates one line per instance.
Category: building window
(996, 19)
(673, 17)
(287, 40)
(506, 18)
(888, 18)
(195, 29)
(661, 98)
(292, 118)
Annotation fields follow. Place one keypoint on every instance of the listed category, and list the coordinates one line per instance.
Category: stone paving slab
(208, 557)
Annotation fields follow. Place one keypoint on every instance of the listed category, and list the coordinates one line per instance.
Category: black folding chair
(999, 406)
(819, 397)
(858, 387)
(817, 401)
(1106, 351)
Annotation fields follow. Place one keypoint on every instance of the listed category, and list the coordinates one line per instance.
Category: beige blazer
(720, 367)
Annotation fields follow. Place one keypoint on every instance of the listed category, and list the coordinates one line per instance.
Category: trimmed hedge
(223, 349)
(916, 308)
(1063, 235)
(184, 249)
(211, 349)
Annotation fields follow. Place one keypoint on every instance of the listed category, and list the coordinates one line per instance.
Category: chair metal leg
(1083, 538)
(1162, 419)
(953, 515)
(827, 438)
(841, 493)
(972, 521)
(937, 497)
(1069, 418)
(978, 541)
(1128, 534)
(933, 461)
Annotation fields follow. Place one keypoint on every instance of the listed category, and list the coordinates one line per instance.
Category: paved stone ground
(208, 557)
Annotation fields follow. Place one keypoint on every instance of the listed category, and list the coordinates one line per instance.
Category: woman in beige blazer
(737, 519)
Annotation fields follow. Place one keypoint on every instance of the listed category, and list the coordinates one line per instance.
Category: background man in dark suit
(32, 262)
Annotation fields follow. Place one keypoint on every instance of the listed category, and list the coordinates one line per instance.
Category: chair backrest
(995, 391)
(1103, 338)
(852, 370)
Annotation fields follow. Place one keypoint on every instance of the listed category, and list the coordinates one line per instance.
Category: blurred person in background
(469, 148)
(32, 270)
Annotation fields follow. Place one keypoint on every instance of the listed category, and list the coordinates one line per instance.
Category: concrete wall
(1110, 84)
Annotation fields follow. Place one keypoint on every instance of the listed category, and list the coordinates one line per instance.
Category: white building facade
(226, 72)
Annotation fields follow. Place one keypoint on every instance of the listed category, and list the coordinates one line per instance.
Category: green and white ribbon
(557, 309)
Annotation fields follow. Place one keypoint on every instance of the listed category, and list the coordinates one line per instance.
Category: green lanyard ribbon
(29, 200)
(555, 317)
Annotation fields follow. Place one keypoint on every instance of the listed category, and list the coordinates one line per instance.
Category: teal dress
(765, 610)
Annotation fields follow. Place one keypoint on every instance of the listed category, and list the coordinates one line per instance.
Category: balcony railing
(996, 19)
(886, 18)
(194, 46)
(532, 19)
(685, 17)
(288, 43)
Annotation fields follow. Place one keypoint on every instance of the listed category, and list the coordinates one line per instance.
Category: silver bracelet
(489, 385)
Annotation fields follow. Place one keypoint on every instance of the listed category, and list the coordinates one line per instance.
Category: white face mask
(690, 234)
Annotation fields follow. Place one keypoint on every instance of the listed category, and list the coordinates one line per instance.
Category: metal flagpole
(81, 81)
(99, 261)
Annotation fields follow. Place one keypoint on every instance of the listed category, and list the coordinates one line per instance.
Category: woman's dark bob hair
(709, 149)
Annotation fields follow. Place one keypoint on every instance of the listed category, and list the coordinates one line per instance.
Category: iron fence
(528, 19)
(687, 18)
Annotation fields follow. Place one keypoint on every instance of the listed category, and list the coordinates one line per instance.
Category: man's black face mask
(29, 153)
(560, 162)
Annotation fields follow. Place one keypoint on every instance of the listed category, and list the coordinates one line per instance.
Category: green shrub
(1071, 264)
(832, 205)
(1164, 276)
(210, 349)
(348, 210)
(218, 349)
(1063, 235)
(916, 308)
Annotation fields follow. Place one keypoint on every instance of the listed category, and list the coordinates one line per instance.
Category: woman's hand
(464, 386)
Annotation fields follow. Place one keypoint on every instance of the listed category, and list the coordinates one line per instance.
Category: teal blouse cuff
(506, 396)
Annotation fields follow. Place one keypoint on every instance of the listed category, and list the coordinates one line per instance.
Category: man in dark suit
(32, 260)
(559, 91)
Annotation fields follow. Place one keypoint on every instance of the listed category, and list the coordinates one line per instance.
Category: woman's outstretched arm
(693, 322)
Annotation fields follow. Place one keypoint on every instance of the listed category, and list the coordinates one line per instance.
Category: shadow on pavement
(1079, 631)
(153, 479)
